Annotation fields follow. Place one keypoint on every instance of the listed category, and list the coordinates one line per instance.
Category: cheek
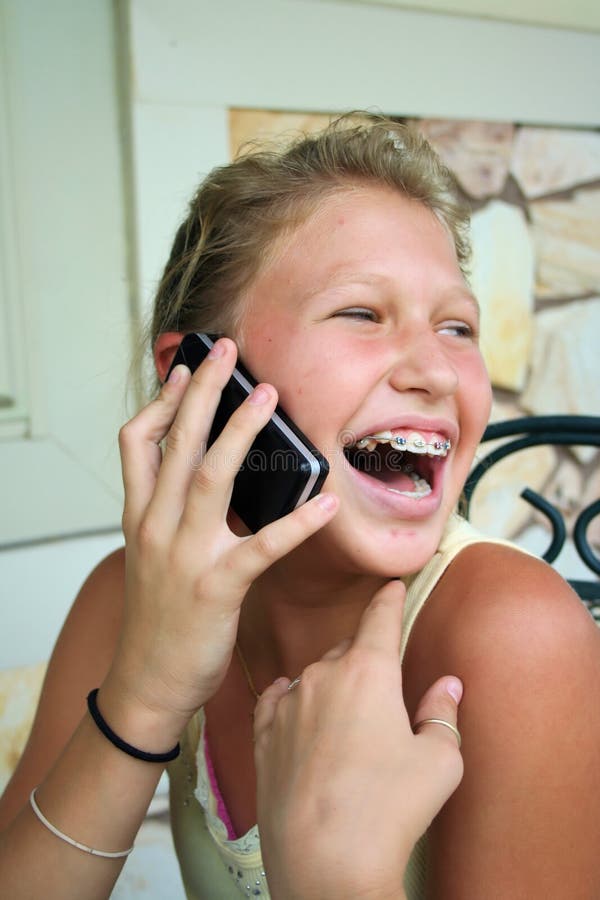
(263, 347)
(477, 393)
(486, 397)
(313, 394)
(279, 354)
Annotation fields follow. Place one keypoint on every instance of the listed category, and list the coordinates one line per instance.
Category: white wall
(38, 586)
(579, 14)
(65, 291)
(66, 283)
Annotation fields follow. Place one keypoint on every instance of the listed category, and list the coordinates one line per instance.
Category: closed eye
(357, 312)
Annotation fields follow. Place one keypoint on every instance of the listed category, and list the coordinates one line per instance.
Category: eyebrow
(345, 281)
(358, 278)
(468, 295)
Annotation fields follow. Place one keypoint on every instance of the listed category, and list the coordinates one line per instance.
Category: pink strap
(221, 808)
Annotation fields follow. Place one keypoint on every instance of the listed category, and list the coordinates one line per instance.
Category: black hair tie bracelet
(119, 742)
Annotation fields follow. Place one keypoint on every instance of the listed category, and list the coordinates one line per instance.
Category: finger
(440, 701)
(210, 491)
(338, 651)
(268, 701)
(188, 435)
(139, 442)
(261, 550)
(380, 626)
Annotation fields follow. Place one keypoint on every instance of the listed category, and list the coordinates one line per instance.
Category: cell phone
(282, 469)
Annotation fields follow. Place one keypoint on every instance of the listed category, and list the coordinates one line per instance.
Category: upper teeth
(413, 442)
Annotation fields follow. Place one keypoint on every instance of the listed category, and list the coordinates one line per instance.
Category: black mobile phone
(282, 469)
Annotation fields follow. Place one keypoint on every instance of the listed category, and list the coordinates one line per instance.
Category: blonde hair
(241, 209)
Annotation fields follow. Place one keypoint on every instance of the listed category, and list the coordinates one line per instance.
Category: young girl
(336, 269)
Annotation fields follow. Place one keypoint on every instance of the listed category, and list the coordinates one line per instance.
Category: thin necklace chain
(246, 672)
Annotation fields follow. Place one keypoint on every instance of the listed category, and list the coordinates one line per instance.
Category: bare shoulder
(528, 652)
(519, 636)
(495, 604)
(79, 662)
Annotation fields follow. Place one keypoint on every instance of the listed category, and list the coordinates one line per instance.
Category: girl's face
(364, 324)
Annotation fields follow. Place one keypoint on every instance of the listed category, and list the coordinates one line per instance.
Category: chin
(397, 550)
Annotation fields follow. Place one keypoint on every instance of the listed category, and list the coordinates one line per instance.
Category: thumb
(266, 707)
(338, 651)
(380, 626)
(440, 701)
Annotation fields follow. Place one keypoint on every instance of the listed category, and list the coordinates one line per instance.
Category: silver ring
(294, 683)
(449, 725)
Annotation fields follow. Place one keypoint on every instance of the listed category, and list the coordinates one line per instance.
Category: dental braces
(402, 442)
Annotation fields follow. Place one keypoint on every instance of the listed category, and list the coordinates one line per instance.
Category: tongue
(400, 481)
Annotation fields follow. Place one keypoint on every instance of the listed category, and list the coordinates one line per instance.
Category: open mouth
(405, 462)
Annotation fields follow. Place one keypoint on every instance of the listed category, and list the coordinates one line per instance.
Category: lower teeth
(422, 487)
(416, 495)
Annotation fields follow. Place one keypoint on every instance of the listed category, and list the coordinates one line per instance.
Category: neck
(290, 619)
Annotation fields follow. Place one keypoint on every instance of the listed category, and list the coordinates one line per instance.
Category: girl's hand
(345, 788)
(186, 572)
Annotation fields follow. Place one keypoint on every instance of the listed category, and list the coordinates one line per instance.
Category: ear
(165, 349)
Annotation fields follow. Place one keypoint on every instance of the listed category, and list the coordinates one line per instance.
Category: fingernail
(259, 395)
(327, 501)
(175, 375)
(455, 689)
(217, 349)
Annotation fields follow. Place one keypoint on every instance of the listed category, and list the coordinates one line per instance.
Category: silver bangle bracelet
(64, 837)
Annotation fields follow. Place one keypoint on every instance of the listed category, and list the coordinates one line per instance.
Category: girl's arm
(80, 661)
(523, 823)
(94, 793)
(185, 577)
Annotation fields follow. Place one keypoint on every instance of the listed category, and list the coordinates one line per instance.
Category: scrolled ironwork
(532, 431)
(580, 536)
(554, 515)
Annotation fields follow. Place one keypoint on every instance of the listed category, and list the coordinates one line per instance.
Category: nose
(420, 362)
